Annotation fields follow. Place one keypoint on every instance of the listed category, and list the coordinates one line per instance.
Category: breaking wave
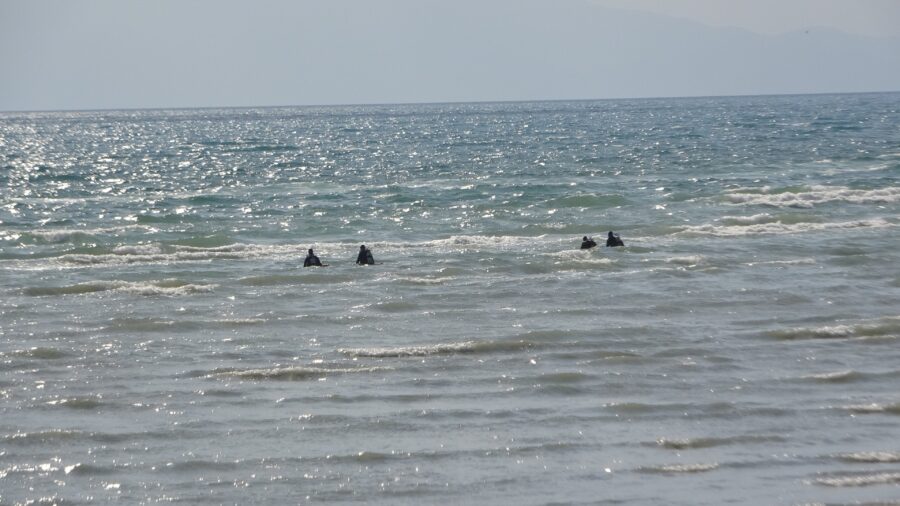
(873, 408)
(710, 442)
(438, 349)
(871, 457)
(859, 480)
(813, 196)
(298, 373)
(883, 328)
(165, 287)
(779, 227)
(680, 468)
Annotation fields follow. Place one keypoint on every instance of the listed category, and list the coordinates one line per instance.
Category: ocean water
(160, 341)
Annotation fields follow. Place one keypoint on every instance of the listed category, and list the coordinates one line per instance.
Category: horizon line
(448, 102)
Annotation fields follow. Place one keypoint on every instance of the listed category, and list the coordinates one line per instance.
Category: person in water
(365, 256)
(613, 240)
(588, 242)
(312, 260)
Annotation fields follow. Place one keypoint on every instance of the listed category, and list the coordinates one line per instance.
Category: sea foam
(816, 195)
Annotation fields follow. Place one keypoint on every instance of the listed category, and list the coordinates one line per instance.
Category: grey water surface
(161, 342)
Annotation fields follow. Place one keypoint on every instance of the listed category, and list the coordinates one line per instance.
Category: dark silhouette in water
(312, 260)
(588, 242)
(613, 240)
(365, 256)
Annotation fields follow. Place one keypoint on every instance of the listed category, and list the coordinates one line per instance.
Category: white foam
(417, 280)
(815, 195)
(886, 327)
(686, 260)
(171, 287)
(156, 289)
(861, 480)
(686, 468)
(486, 241)
(292, 373)
(580, 256)
(798, 261)
(411, 351)
(872, 457)
(57, 235)
(749, 220)
(779, 228)
(873, 408)
(833, 376)
(138, 249)
(125, 255)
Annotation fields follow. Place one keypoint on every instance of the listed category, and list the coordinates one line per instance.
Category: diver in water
(588, 242)
(613, 240)
(312, 260)
(365, 256)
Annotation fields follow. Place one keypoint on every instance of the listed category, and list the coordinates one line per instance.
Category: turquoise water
(160, 341)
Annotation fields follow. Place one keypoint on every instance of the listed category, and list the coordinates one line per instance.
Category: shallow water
(159, 341)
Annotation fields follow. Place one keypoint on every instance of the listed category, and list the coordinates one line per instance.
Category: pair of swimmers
(363, 258)
(612, 240)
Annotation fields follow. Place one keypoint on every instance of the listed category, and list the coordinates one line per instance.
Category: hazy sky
(876, 18)
(83, 54)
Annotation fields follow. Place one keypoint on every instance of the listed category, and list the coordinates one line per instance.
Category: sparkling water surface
(160, 340)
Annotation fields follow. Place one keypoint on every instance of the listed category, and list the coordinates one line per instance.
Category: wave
(710, 442)
(813, 195)
(749, 220)
(591, 201)
(297, 373)
(798, 261)
(82, 469)
(859, 480)
(689, 260)
(501, 242)
(680, 468)
(136, 255)
(680, 408)
(439, 349)
(173, 287)
(873, 408)
(562, 377)
(422, 281)
(411, 351)
(883, 328)
(40, 352)
(67, 235)
(579, 256)
(394, 306)
(871, 457)
(779, 227)
(847, 376)
(154, 325)
(203, 465)
(42, 437)
(138, 249)
(86, 403)
(291, 279)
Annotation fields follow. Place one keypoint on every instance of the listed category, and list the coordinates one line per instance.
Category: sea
(161, 341)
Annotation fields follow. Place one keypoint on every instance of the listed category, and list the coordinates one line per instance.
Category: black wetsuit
(365, 257)
(312, 261)
(613, 240)
(588, 244)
